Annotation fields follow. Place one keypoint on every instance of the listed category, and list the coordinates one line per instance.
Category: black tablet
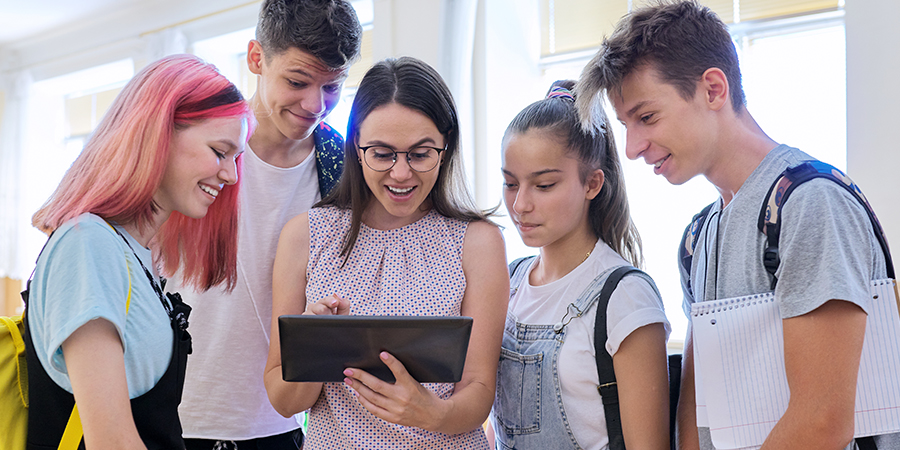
(319, 348)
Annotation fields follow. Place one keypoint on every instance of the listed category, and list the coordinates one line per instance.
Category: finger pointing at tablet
(333, 305)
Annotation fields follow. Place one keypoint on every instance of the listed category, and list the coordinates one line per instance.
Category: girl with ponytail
(565, 194)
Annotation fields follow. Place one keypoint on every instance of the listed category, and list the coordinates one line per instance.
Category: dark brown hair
(413, 84)
(679, 40)
(608, 212)
(327, 29)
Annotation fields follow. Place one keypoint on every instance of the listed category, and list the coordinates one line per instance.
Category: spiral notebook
(739, 347)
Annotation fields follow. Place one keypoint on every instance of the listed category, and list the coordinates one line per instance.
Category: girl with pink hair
(161, 173)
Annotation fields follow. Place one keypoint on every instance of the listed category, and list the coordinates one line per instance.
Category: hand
(404, 402)
(329, 306)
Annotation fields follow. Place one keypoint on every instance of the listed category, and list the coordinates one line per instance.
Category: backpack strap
(689, 242)
(770, 215)
(866, 443)
(329, 152)
(609, 391)
(13, 324)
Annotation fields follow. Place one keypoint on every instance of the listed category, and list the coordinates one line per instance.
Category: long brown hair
(413, 84)
(608, 212)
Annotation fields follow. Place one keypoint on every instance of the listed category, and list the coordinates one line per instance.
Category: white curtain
(44, 158)
(456, 48)
(170, 41)
(15, 88)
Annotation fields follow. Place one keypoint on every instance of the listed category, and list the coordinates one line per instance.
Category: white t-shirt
(632, 305)
(224, 394)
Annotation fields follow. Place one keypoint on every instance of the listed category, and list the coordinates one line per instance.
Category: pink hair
(122, 166)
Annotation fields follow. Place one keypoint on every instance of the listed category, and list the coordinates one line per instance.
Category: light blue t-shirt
(82, 275)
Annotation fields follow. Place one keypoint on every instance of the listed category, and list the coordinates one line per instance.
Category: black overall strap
(609, 391)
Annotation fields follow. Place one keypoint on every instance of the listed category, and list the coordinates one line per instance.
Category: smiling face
(543, 191)
(400, 195)
(201, 161)
(296, 92)
(675, 135)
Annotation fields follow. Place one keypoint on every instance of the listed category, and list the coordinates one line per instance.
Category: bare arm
(821, 356)
(289, 297)
(96, 365)
(686, 414)
(407, 402)
(643, 384)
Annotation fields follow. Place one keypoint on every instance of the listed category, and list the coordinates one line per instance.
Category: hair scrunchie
(561, 92)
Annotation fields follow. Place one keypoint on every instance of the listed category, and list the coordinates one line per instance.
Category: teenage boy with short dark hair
(302, 53)
(671, 72)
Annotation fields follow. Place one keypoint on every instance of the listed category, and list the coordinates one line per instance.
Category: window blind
(571, 25)
(84, 112)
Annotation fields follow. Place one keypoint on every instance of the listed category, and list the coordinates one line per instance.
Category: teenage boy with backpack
(302, 54)
(671, 72)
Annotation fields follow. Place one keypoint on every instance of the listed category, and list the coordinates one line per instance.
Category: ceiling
(23, 19)
(50, 37)
(53, 37)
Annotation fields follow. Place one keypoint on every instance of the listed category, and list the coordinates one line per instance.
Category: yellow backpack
(14, 387)
(13, 384)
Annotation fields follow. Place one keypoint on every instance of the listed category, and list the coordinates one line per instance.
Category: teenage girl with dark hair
(565, 193)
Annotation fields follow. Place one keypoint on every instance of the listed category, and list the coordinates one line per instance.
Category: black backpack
(608, 388)
(769, 224)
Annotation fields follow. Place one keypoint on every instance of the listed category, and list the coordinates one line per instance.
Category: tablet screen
(319, 348)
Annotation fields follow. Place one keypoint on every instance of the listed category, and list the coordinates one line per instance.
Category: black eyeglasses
(420, 159)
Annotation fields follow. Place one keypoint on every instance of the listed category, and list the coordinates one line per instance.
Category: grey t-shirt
(827, 246)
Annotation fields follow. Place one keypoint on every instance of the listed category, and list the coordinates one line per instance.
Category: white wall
(873, 96)
(407, 28)
(507, 79)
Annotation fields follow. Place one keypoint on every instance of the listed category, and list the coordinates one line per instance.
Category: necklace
(586, 255)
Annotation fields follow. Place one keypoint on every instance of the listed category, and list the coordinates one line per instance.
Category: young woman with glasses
(399, 235)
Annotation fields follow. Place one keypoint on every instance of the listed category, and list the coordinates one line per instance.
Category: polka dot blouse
(415, 270)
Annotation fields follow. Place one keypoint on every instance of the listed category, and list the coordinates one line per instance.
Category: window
(62, 112)
(571, 25)
(794, 76)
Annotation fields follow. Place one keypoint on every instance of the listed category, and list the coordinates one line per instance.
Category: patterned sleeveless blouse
(415, 270)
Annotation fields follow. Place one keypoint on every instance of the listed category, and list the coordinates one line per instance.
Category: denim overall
(528, 405)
